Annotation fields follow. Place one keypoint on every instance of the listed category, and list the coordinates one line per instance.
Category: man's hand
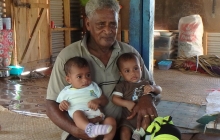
(145, 110)
(64, 105)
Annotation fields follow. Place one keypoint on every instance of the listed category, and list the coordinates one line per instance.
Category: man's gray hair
(93, 5)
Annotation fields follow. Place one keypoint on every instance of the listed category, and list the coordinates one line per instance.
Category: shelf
(65, 29)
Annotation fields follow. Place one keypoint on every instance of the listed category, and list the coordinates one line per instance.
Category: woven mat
(20, 127)
(38, 82)
(187, 87)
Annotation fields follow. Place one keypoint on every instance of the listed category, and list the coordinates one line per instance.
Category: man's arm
(62, 120)
(103, 100)
(145, 110)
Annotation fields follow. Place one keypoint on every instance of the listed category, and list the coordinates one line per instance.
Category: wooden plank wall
(32, 40)
(20, 38)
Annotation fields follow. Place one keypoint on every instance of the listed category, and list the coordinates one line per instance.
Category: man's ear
(87, 23)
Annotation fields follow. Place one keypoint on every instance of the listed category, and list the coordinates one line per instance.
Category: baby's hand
(64, 105)
(93, 104)
(130, 105)
(148, 88)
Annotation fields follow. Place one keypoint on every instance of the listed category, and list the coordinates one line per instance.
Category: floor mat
(184, 115)
(24, 97)
(190, 87)
(15, 126)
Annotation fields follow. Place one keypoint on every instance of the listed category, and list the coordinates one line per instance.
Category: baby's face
(79, 77)
(131, 70)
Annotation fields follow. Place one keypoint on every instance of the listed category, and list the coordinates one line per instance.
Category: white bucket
(6, 23)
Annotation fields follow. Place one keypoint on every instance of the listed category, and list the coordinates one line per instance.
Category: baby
(84, 98)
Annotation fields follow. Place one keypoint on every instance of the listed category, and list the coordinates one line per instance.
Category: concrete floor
(27, 96)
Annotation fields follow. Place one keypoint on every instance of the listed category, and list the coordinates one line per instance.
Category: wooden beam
(65, 29)
(30, 44)
(39, 5)
(66, 5)
(8, 8)
(148, 33)
(141, 28)
(205, 43)
(135, 25)
(50, 30)
(14, 60)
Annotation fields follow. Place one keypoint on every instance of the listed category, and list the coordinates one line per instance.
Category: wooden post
(205, 43)
(66, 5)
(135, 24)
(14, 59)
(8, 8)
(141, 29)
(148, 33)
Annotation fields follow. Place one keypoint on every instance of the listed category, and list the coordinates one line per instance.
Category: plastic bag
(190, 36)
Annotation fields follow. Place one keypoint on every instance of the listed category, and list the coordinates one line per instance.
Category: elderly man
(101, 49)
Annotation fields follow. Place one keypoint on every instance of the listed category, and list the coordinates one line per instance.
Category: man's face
(103, 26)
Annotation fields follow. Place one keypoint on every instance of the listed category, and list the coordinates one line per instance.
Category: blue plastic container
(16, 70)
(164, 65)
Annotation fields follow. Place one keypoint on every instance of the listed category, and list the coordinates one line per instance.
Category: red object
(189, 65)
(6, 47)
(52, 24)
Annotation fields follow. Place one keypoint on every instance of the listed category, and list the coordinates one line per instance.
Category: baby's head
(129, 67)
(77, 72)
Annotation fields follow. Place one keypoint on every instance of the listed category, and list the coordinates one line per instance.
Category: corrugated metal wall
(57, 37)
(213, 44)
(57, 16)
(57, 43)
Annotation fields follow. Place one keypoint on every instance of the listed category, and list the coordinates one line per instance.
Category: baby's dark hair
(125, 57)
(75, 61)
